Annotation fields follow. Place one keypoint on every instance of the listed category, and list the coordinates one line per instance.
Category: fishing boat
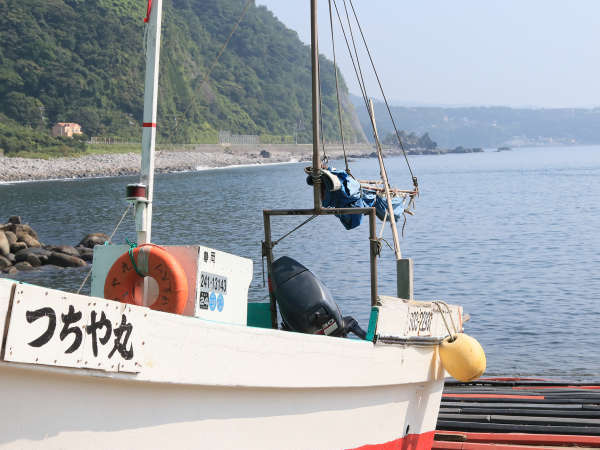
(168, 351)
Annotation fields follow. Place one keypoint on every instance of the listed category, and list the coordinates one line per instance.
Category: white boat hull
(193, 383)
(58, 410)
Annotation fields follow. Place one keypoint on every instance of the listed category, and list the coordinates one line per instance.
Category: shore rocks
(17, 246)
(4, 263)
(27, 239)
(93, 239)
(23, 265)
(87, 254)
(21, 250)
(33, 260)
(64, 260)
(12, 237)
(66, 249)
(4, 244)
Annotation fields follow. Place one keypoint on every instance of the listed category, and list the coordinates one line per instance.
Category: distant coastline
(204, 157)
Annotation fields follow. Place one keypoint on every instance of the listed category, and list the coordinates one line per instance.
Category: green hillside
(83, 61)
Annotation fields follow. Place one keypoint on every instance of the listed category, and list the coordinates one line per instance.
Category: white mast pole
(143, 211)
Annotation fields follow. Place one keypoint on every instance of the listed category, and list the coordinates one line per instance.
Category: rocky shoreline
(201, 157)
(21, 249)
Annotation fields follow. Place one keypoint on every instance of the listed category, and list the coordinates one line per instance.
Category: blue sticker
(212, 301)
(220, 302)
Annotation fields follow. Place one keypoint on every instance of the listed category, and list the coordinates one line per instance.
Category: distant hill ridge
(82, 61)
(491, 126)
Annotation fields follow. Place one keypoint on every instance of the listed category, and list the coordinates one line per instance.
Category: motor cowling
(305, 304)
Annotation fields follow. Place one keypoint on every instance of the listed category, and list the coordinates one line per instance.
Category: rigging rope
(337, 91)
(109, 240)
(414, 179)
(438, 303)
(360, 79)
(294, 229)
(362, 88)
(353, 56)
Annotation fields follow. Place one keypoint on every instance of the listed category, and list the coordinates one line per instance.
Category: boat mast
(143, 209)
(316, 167)
(268, 243)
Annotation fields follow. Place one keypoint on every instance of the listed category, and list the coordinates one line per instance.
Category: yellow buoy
(462, 357)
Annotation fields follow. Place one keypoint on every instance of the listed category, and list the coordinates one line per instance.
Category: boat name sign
(60, 329)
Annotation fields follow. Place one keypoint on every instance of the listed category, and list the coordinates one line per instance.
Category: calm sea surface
(512, 236)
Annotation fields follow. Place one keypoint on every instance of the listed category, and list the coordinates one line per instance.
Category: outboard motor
(305, 304)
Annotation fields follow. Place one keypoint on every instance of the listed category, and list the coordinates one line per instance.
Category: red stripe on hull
(422, 441)
(518, 439)
(482, 395)
(522, 388)
(513, 379)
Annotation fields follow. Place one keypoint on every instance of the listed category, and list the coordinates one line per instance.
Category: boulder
(66, 249)
(33, 260)
(4, 244)
(87, 254)
(22, 254)
(93, 239)
(12, 237)
(23, 265)
(265, 154)
(14, 219)
(52, 267)
(23, 236)
(63, 260)
(10, 270)
(27, 229)
(11, 258)
(4, 263)
(24, 228)
(18, 246)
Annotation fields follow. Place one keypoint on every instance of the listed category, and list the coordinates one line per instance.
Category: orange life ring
(152, 261)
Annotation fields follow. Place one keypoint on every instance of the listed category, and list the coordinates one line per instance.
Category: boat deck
(518, 413)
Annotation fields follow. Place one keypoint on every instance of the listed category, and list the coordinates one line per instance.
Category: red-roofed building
(66, 129)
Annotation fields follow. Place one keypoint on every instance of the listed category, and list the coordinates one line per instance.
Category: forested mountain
(83, 61)
(491, 126)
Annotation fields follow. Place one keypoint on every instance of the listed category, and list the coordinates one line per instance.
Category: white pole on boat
(143, 212)
(316, 167)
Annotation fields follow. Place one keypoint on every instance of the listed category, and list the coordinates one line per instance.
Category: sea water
(512, 236)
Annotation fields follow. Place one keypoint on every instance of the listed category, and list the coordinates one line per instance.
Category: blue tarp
(381, 205)
(349, 196)
(352, 196)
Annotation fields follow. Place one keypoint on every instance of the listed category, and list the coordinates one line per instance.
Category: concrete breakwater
(21, 249)
(174, 160)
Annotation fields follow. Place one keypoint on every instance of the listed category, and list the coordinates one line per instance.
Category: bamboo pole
(385, 184)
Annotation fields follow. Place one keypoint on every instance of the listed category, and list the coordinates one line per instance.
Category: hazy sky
(540, 53)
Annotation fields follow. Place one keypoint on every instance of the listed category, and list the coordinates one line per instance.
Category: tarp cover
(349, 196)
(352, 196)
